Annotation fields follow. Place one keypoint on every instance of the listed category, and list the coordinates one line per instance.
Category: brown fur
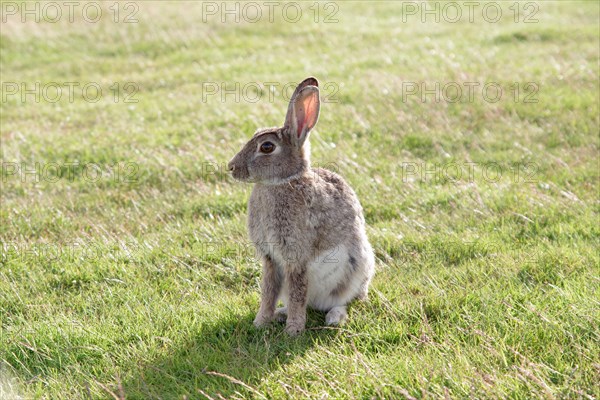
(295, 214)
(271, 284)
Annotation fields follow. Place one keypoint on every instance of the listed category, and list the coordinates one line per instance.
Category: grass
(140, 282)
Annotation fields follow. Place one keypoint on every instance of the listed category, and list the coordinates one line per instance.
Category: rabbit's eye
(267, 147)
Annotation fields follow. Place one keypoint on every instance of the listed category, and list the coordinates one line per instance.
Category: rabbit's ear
(303, 113)
(310, 81)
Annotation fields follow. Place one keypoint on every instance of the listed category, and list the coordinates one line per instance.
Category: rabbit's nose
(231, 166)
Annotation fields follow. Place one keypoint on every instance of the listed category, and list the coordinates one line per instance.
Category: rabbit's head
(277, 155)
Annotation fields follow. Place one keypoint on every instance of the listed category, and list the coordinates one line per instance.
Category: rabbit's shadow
(214, 357)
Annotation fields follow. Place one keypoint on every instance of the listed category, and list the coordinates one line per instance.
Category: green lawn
(126, 269)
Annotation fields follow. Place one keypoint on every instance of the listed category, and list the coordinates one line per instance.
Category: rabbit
(306, 223)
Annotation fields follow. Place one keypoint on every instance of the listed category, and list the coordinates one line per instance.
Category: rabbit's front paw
(262, 319)
(294, 328)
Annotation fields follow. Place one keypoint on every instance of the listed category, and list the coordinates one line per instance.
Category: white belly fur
(325, 272)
